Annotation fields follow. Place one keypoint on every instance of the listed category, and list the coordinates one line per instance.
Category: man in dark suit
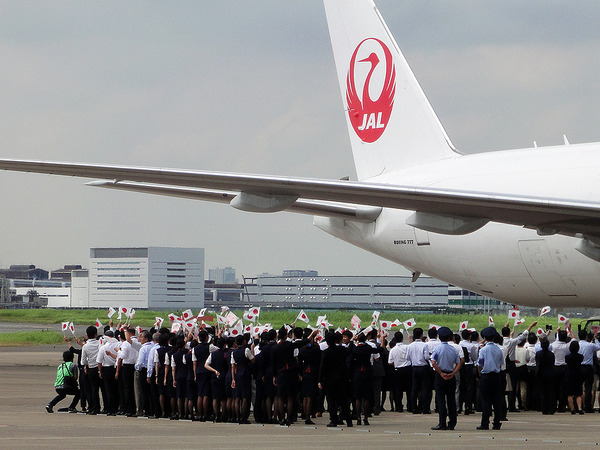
(333, 376)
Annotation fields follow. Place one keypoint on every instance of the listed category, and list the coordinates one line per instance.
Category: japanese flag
(221, 320)
(490, 321)
(410, 323)
(519, 322)
(72, 328)
(257, 330)
(385, 324)
(231, 318)
(119, 312)
(175, 327)
(302, 316)
(396, 323)
(513, 314)
(433, 326)
(224, 309)
(375, 318)
(159, 322)
(202, 313)
(138, 329)
(189, 325)
(65, 326)
(562, 319)
(355, 322)
(187, 314)
(540, 331)
(367, 330)
(238, 329)
(99, 324)
(463, 325)
(255, 311)
(545, 310)
(321, 320)
(111, 312)
(124, 310)
(248, 329)
(172, 317)
(249, 316)
(131, 313)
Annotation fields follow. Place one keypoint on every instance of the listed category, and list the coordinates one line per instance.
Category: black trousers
(402, 384)
(128, 373)
(62, 394)
(467, 386)
(588, 381)
(445, 398)
(337, 398)
(421, 381)
(93, 380)
(490, 391)
(111, 388)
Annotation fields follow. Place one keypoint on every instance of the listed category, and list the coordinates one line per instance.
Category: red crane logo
(369, 117)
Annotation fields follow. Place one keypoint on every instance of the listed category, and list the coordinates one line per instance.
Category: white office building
(148, 277)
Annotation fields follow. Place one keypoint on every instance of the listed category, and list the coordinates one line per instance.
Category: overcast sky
(251, 87)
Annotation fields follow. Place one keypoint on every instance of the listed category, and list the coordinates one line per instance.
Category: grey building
(147, 277)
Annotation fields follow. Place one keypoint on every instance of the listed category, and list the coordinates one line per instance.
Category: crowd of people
(286, 375)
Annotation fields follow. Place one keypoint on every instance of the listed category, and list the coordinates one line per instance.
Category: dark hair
(398, 336)
(545, 343)
(574, 346)
(91, 332)
(532, 338)
(432, 333)
(417, 333)
(466, 334)
(474, 336)
(67, 356)
(298, 332)
(203, 336)
(562, 335)
(505, 331)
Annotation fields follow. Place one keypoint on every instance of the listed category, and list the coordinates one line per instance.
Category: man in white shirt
(418, 355)
(126, 360)
(89, 354)
(402, 372)
(106, 371)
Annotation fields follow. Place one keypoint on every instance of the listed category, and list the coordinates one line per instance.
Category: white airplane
(522, 226)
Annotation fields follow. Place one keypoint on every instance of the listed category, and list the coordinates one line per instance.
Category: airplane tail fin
(390, 121)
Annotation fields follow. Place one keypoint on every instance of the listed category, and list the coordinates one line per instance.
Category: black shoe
(244, 422)
(504, 419)
(497, 426)
(92, 413)
(114, 414)
(427, 412)
(483, 427)
(49, 409)
(358, 421)
(174, 417)
(581, 413)
(349, 423)
(130, 415)
(514, 410)
(72, 410)
(366, 421)
(332, 425)
(451, 427)
(308, 422)
(439, 427)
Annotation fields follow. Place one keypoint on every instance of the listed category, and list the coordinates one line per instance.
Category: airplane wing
(353, 200)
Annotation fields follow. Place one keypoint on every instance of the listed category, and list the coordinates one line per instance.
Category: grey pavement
(27, 385)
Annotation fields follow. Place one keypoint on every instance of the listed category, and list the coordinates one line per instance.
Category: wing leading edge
(352, 200)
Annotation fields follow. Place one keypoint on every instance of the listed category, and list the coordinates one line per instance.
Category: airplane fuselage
(507, 262)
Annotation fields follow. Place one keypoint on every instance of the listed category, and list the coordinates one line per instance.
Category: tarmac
(27, 376)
